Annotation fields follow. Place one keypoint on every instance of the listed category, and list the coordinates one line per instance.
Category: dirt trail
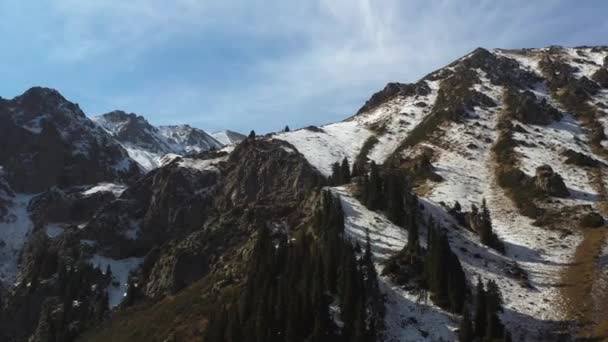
(585, 281)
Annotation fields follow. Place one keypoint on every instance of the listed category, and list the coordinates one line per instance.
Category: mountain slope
(228, 137)
(489, 115)
(148, 144)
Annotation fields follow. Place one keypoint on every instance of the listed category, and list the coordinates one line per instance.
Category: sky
(261, 65)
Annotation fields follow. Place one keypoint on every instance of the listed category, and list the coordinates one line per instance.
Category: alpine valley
(468, 206)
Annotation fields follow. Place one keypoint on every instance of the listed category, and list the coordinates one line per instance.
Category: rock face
(526, 108)
(263, 183)
(580, 159)
(394, 89)
(57, 205)
(601, 77)
(591, 220)
(550, 182)
(48, 141)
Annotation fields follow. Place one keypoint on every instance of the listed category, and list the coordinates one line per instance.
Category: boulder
(601, 77)
(579, 159)
(549, 182)
(526, 108)
(591, 220)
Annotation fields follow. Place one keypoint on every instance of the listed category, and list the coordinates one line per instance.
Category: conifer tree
(345, 171)
(286, 129)
(251, 135)
(395, 197)
(336, 175)
(466, 332)
(494, 328)
(374, 190)
(480, 310)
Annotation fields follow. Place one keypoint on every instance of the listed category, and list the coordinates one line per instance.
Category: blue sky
(260, 65)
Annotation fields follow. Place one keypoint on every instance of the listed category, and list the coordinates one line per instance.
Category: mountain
(48, 141)
(146, 144)
(228, 137)
(469, 205)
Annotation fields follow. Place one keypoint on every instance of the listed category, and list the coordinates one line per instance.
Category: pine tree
(345, 171)
(286, 129)
(480, 310)
(336, 175)
(413, 243)
(494, 328)
(251, 135)
(395, 197)
(466, 333)
(374, 190)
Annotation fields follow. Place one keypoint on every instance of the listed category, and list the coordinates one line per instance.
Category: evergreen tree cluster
(340, 173)
(486, 325)
(443, 273)
(82, 299)
(389, 190)
(480, 222)
(316, 287)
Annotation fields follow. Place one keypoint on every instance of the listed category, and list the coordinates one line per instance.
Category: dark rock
(591, 220)
(525, 107)
(550, 182)
(394, 89)
(314, 129)
(601, 77)
(519, 129)
(50, 142)
(580, 159)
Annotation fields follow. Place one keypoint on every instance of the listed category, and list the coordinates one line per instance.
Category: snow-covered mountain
(228, 137)
(506, 126)
(147, 144)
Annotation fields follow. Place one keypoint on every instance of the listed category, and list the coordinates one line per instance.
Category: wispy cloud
(262, 64)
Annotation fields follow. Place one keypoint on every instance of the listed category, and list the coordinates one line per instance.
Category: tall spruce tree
(466, 332)
(374, 199)
(345, 171)
(480, 310)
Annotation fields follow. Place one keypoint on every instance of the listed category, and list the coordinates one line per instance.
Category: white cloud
(330, 54)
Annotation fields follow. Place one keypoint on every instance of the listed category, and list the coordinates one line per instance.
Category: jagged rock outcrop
(601, 77)
(591, 220)
(57, 205)
(580, 159)
(168, 202)
(525, 107)
(550, 182)
(394, 89)
(262, 184)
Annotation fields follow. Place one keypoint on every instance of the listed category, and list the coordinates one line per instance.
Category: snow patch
(120, 275)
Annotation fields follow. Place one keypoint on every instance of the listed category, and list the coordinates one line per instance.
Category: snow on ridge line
(330, 144)
(116, 189)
